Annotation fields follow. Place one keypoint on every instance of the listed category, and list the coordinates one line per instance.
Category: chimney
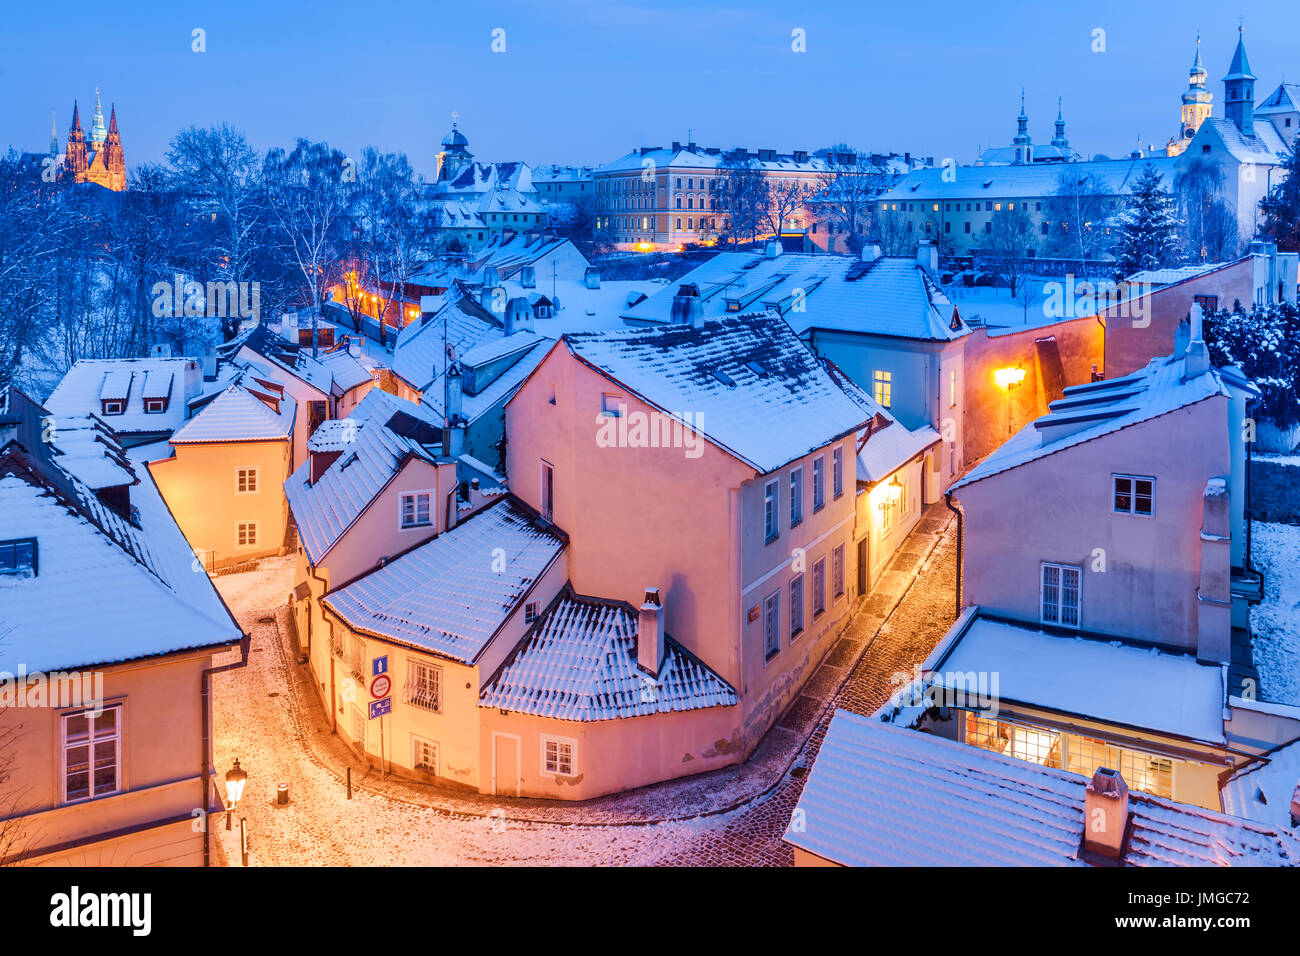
(1105, 814)
(772, 250)
(491, 276)
(650, 633)
(519, 316)
(871, 251)
(487, 297)
(208, 361)
(289, 327)
(1197, 361)
(676, 146)
(161, 350)
(688, 309)
(453, 433)
(528, 277)
(1214, 588)
(591, 277)
(927, 256)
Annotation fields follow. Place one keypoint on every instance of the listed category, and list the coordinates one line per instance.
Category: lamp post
(1007, 379)
(235, 780)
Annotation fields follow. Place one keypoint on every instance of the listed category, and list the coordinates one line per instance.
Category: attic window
(154, 406)
(724, 378)
(611, 406)
(113, 406)
(18, 557)
(757, 369)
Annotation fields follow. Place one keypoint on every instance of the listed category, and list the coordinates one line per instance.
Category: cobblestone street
(267, 716)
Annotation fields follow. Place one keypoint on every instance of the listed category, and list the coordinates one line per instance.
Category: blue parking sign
(380, 707)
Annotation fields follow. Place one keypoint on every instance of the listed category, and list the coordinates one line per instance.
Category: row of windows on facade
(644, 223)
(772, 603)
(772, 492)
(116, 406)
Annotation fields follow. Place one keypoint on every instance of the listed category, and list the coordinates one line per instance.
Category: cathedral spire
(112, 119)
(1024, 151)
(76, 118)
(97, 132)
(1239, 89)
(54, 135)
(1059, 139)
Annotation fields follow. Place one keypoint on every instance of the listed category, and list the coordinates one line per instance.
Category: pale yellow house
(111, 636)
(224, 480)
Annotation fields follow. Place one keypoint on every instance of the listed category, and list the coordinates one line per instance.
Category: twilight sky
(583, 82)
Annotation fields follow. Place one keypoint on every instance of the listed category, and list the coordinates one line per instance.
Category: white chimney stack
(1105, 814)
(870, 252)
(1197, 360)
(927, 255)
(650, 633)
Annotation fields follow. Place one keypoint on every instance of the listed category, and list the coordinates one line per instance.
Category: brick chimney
(650, 633)
(1105, 814)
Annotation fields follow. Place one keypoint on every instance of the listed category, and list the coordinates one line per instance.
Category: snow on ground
(1275, 623)
(256, 722)
(996, 307)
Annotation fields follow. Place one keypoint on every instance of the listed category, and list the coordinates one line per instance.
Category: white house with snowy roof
(141, 399)
(884, 795)
(109, 634)
(1105, 620)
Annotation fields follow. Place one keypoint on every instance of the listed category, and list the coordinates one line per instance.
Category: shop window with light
(1134, 495)
(1060, 594)
(883, 383)
(92, 754)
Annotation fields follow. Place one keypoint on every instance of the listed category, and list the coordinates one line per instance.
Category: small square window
(245, 481)
(532, 610)
(416, 509)
(246, 534)
(1134, 495)
(558, 755)
(612, 406)
(18, 557)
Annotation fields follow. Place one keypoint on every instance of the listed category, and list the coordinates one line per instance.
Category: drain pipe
(207, 770)
(947, 500)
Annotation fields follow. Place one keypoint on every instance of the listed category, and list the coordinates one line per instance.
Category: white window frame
(771, 623)
(240, 530)
(113, 407)
(1132, 511)
(160, 402)
(419, 675)
(64, 746)
(796, 495)
(772, 510)
(819, 483)
(418, 742)
(1063, 570)
(882, 387)
(796, 606)
(559, 742)
(838, 588)
(837, 474)
(532, 611)
(244, 473)
(414, 494)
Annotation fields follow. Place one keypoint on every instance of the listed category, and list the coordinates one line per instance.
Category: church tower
(454, 155)
(76, 161)
(1024, 148)
(114, 160)
(1059, 139)
(1239, 89)
(1198, 103)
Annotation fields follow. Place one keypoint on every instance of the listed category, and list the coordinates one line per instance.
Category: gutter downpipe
(208, 770)
(961, 556)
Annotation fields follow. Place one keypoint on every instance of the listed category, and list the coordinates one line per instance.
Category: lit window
(772, 624)
(245, 481)
(771, 509)
(557, 756)
(416, 509)
(423, 685)
(1061, 594)
(92, 751)
(884, 387)
(18, 557)
(246, 534)
(1134, 495)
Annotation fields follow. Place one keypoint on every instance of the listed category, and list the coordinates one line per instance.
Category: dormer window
(155, 406)
(112, 406)
(18, 557)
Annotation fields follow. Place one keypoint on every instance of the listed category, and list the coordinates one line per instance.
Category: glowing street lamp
(1007, 379)
(235, 780)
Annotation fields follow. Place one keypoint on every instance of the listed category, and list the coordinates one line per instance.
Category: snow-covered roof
(580, 663)
(491, 349)
(891, 296)
(1163, 277)
(880, 795)
(332, 373)
(107, 587)
(494, 393)
(1100, 679)
(447, 595)
(237, 415)
(1265, 147)
(326, 508)
(888, 444)
(92, 381)
(1032, 180)
(1090, 411)
(1284, 99)
(420, 352)
(1262, 791)
(88, 450)
(688, 158)
(745, 382)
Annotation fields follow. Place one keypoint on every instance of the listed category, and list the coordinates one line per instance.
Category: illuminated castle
(97, 159)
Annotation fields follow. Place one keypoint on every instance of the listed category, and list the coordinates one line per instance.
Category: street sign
(379, 666)
(380, 686)
(380, 707)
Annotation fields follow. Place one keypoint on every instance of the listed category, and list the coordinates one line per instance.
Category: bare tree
(1079, 205)
(785, 197)
(849, 193)
(1209, 227)
(739, 196)
(31, 221)
(309, 192)
(1010, 238)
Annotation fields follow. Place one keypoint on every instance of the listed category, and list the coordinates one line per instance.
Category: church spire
(1239, 89)
(1059, 139)
(1024, 151)
(97, 132)
(54, 135)
(76, 118)
(112, 120)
